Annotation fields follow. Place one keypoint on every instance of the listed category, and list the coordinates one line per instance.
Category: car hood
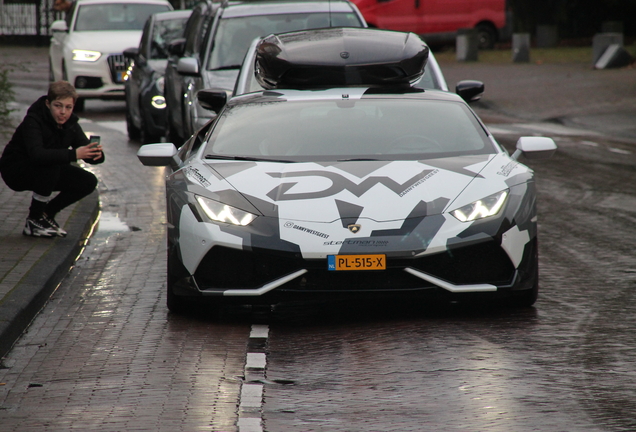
(106, 42)
(378, 190)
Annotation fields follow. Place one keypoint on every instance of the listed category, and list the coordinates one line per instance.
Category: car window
(234, 35)
(382, 128)
(163, 33)
(115, 16)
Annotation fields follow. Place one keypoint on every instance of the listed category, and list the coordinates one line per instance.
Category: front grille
(232, 268)
(118, 66)
(481, 263)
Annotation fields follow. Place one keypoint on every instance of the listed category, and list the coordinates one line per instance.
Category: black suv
(145, 101)
(216, 40)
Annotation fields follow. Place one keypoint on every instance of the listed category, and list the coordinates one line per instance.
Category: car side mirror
(188, 66)
(59, 26)
(177, 47)
(131, 53)
(470, 90)
(534, 147)
(213, 99)
(162, 154)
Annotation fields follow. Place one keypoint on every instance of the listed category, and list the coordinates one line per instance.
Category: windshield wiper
(244, 158)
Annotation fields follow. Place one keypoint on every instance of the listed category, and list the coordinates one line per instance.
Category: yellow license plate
(356, 262)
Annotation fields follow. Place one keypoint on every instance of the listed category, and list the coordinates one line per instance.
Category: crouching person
(40, 156)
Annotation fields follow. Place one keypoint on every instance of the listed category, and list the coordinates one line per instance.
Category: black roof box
(337, 57)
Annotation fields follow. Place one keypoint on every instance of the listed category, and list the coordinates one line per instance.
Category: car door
(174, 86)
(193, 82)
(139, 73)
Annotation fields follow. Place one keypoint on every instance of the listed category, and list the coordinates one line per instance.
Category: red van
(438, 20)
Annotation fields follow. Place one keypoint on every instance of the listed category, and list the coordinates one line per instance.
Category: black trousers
(73, 183)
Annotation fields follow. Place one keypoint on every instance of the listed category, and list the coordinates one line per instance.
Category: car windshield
(115, 16)
(369, 128)
(234, 35)
(163, 33)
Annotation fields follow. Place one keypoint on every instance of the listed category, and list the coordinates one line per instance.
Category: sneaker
(54, 225)
(38, 228)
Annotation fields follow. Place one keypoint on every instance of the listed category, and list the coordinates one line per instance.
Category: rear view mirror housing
(470, 90)
(534, 147)
(161, 154)
(213, 99)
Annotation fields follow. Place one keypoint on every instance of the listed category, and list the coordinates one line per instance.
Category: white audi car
(87, 48)
(341, 178)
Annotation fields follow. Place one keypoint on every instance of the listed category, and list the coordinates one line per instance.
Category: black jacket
(40, 142)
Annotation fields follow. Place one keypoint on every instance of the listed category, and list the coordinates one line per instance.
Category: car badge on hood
(354, 228)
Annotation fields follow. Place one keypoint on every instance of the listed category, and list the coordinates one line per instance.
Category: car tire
(146, 136)
(486, 36)
(527, 298)
(172, 136)
(79, 105)
(175, 303)
(134, 133)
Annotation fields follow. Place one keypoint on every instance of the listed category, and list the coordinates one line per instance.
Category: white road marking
(619, 151)
(251, 398)
(256, 361)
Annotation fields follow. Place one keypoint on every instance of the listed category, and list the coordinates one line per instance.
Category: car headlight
(224, 213)
(482, 208)
(86, 56)
(158, 102)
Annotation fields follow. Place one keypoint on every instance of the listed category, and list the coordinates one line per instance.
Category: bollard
(614, 56)
(521, 47)
(467, 45)
(602, 41)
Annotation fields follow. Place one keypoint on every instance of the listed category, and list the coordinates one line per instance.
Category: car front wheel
(175, 303)
(133, 131)
(527, 298)
(486, 36)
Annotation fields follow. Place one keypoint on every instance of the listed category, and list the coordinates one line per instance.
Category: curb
(27, 298)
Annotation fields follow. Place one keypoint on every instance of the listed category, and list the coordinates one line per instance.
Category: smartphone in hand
(94, 140)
